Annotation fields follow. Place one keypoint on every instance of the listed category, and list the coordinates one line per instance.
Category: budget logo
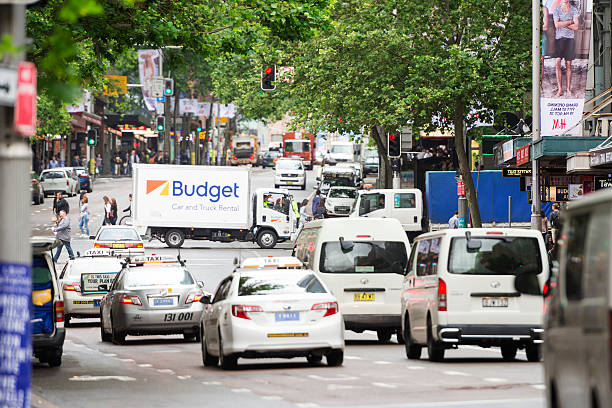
(153, 185)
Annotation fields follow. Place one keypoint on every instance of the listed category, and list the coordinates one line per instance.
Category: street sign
(285, 74)
(460, 188)
(406, 139)
(511, 172)
(8, 86)
(117, 85)
(25, 104)
(157, 87)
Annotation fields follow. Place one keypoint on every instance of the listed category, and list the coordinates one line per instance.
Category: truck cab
(244, 150)
(299, 145)
(274, 220)
(405, 205)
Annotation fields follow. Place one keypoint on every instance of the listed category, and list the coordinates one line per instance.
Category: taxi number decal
(173, 317)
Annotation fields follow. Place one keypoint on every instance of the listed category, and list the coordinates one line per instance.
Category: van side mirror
(206, 300)
(527, 284)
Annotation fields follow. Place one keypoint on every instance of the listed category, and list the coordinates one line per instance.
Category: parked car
(578, 319)
(62, 179)
(47, 318)
(459, 290)
(257, 313)
(84, 179)
(38, 193)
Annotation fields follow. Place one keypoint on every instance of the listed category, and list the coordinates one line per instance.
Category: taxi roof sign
(97, 252)
(120, 253)
(278, 262)
(153, 259)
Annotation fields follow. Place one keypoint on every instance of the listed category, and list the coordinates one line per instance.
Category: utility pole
(15, 247)
(536, 220)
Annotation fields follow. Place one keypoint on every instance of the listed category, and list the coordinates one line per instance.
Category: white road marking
(381, 362)
(384, 385)
(211, 383)
(101, 378)
(306, 405)
(471, 403)
(165, 371)
(272, 397)
(109, 354)
(415, 367)
(456, 373)
(126, 360)
(183, 377)
(539, 386)
(353, 358)
(239, 390)
(145, 365)
(493, 379)
(339, 378)
(336, 387)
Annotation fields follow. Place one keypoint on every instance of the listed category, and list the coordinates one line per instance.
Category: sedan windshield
(281, 284)
(344, 149)
(342, 193)
(496, 256)
(118, 234)
(363, 257)
(156, 276)
(340, 182)
(289, 165)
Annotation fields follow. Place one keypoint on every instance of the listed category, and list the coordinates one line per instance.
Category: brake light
(234, 158)
(59, 311)
(133, 246)
(251, 157)
(495, 233)
(131, 300)
(364, 236)
(331, 308)
(193, 297)
(441, 295)
(70, 287)
(242, 310)
(545, 290)
(102, 245)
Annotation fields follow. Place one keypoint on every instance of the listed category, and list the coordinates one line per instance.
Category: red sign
(128, 128)
(25, 104)
(460, 188)
(522, 155)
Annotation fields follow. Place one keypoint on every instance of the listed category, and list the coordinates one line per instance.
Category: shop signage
(514, 172)
(460, 188)
(507, 150)
(600, 159)
(602, 182)
(522, 155)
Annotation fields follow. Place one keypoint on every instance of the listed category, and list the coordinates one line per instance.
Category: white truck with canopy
(173, 203)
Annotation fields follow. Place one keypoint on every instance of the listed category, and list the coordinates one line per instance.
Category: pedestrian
(62, 234)
(53, 163)
(98, 163)
(84, 220)
(315, 201)
(321, 211)
(295, 206)
(107, 210)
(134, 159)
(60, 204)
(545, 230)
(117, 165)
(555, 222)
(303, 214)
(113, 211)
(453, 222)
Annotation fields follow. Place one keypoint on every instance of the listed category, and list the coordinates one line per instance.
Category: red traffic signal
(268, 76)
(393, 145)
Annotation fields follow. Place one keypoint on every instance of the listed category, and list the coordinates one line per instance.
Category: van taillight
(59, 311)
(441, 295)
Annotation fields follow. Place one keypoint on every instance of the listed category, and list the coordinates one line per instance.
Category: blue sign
(161, 99)
(461, 223)
(15, 336)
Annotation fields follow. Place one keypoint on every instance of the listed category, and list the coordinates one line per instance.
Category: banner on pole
(149, 67)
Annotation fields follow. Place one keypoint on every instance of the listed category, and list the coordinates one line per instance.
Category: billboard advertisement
(149, 66)
(566, 34)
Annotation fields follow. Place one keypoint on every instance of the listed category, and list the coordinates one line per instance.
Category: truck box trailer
(173, 203)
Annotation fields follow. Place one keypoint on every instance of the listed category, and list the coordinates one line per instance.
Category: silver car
(146, 298)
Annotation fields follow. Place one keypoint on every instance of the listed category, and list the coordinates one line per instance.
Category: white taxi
(259, 313)
(85, 280)
(120, 238)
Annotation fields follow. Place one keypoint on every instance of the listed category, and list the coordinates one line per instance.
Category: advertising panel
(566, 34)
(149, 67)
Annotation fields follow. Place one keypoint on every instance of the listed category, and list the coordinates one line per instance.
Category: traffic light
(393, 145)
(92, 137)
(199, 128)
(208, 124)
(168, 87)
(268, 75)
(161, 123)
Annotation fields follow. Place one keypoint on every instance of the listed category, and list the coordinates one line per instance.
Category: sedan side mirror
(201, 284)
(206, 300)
(92, 237)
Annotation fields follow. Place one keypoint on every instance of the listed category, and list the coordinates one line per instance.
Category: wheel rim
(174, 238)
(267, 239)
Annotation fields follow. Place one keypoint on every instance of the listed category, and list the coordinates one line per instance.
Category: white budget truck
(174, 203)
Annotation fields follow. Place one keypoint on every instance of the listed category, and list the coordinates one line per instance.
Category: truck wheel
(174, 238)
(266, 239)
(303, 186)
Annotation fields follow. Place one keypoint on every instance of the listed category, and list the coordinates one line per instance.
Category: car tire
(67, 319)
(384, 335)
(435, 350)
(208, 359)
(508, 351)
(193, 337)
(314, 359)
(227, 362)
(266, 239)
(399, 336)
(534, 352)
(118, 337)
(174, 238)
(413, 350)
(276, 186)
(303, 187)
(335, 358)
(54, 358)
(41, 199)
(104, 336)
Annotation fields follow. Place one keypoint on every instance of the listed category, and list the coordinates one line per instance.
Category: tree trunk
(385, 173)
(464, 169)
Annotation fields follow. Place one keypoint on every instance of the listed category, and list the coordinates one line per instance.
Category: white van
(578, 322)
(362, 261)
(405, 205)
(459, 289)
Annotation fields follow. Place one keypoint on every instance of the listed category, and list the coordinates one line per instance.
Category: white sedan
(271, 313)
(121, 239)
(340, 201)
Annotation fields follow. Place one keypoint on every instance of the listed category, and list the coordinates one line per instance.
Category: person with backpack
(555, 222)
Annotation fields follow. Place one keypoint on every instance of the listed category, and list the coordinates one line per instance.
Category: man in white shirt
(453, 222)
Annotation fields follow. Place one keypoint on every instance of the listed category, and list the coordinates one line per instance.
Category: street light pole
(536, 221)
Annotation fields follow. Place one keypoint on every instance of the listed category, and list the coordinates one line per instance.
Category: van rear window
(363, 257)
(496, 256)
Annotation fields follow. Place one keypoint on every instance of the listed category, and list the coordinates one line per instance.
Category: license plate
(287, 334)
(168, 301)
(287, 316)
(289, 182)
(495, 302)
(364, 297)
(119, 246)
(96, 302)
